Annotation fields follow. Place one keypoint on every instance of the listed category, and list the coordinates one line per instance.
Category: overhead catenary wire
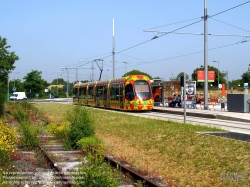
(178, 29)
(174, 23)
(179, 56)
(170, 31)
(229, 9)
(230, 25)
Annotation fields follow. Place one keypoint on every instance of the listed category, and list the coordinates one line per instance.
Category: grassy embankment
(171, 151)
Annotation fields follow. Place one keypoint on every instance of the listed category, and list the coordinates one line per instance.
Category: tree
(246, 76)
(59, 81)
(7, 60)
(180, 74)
(173, 78)
(157, 77)
(17, 84)
(237, 84)
(34, 83)
(137, 72)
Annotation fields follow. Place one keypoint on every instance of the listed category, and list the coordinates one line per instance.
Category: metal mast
(113, 50)
(205, 57)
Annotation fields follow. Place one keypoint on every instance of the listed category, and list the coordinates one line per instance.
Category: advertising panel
(201, 76)
(211, 76)
(190, 91)
(157, 93)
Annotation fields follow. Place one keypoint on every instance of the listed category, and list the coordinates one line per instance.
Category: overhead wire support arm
(168, 32)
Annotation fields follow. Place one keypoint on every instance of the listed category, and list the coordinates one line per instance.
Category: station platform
(213, 113)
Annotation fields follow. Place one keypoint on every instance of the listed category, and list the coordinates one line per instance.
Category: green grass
(169, 150)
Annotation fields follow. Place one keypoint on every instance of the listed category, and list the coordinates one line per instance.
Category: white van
(18, 96)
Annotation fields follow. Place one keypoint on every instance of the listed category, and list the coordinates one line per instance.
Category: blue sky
(50, 34)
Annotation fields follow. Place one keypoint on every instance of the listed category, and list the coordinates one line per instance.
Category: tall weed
(81, 124)
(95, 172)
(29, 139)
(21, 117)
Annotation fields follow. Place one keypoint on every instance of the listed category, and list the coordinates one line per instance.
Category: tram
(130, 93)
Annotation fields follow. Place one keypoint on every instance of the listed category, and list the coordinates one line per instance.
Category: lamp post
(125, 66)
(218, 76)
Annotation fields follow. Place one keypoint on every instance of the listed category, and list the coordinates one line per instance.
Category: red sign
(210, 76)
(201, 76)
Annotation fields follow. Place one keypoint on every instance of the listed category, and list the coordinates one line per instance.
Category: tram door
(101, 96)
(91, 101)
(82, 96)
(116, 96)
(105, 96)
(121, 88)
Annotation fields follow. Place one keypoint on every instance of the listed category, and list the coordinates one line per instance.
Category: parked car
(54, 96)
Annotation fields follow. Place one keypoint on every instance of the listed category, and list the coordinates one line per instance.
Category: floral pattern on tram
(136, 103)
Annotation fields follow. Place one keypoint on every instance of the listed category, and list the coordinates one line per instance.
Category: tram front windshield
(142, 90)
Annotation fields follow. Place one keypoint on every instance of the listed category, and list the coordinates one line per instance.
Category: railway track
(65, 162)
(60, 165)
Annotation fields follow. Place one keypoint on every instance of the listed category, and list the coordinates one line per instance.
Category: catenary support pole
(184, 97)
(205, 57)
(113, 50)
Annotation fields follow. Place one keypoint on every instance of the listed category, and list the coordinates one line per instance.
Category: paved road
(62, 100)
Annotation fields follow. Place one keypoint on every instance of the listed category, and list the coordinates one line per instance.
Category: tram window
(99, 92)
(129, 94)
(121, 91)
(105, 89)
(114, 92)
(75, 91)
(91, 93)
(142, 90)
(83, 92)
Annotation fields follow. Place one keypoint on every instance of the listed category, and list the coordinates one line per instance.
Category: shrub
(29, 139)
(95, 173)
(90, 143)
(8, 139)
(81, 124)
(52, 128)
(63, 132)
